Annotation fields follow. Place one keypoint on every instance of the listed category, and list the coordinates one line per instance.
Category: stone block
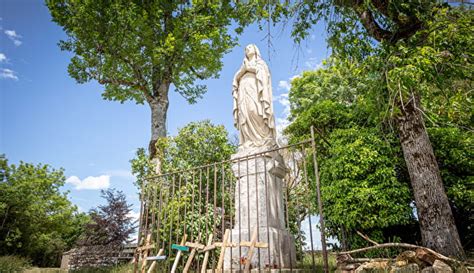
(441, 267)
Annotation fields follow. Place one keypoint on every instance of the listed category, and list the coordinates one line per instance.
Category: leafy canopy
(38, 220)
(196, 144)
(137, 47)
(363, 186)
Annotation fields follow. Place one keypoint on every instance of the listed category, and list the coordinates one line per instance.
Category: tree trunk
(438, 230)
(159, 109)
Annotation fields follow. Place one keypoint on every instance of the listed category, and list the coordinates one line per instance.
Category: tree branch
(122, 82)
(365, 237)
(201, 77)
(373, 28)
(403, 245)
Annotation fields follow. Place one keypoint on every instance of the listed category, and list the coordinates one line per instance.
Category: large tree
(139, 49)
(111, 224)
(36, 219)
(416, 49)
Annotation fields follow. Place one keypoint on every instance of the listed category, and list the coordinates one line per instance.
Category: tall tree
(110, 224)
(416, 47)
(138, 49)
(36, 219)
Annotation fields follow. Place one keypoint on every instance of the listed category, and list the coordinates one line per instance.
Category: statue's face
(250, 51)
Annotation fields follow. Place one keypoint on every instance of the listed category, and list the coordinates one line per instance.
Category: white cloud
(15, 37)
(284, 85)
(282, 121)
(90, 182)
(6, 73)
(2, 57)
(135, 215)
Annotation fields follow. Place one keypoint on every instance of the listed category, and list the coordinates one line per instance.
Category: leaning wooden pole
(137, 254)
(320, 203)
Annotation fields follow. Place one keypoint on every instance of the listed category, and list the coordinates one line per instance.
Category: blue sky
(46, 117)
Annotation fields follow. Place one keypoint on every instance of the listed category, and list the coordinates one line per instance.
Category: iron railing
(203, 202)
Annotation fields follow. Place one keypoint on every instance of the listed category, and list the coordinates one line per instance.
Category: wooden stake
(153, 264)
(195, 246)
(180, 249)
(251, 250)
(208, 248)
(144, 250)
(252, 245)
(224, 245)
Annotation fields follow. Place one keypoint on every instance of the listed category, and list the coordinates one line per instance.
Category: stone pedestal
(259, 204)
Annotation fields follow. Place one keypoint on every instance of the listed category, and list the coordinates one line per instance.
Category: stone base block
(280, 254)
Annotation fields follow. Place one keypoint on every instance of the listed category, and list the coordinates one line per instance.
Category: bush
(13, 264)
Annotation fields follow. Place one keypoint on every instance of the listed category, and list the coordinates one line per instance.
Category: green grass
(307, 261)
(12, 264)
(111, 269)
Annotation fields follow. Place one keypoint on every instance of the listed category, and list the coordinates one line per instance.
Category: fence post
(320, 203)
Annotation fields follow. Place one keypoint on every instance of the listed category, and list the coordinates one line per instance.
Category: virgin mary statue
(253, 109)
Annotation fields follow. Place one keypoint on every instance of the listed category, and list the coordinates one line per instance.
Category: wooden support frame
(206, 250)
(153, 264)
(181, 247)
(195, 247)
(144, 250)
(252, 245)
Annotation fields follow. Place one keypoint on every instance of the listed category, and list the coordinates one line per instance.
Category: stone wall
(91, 256)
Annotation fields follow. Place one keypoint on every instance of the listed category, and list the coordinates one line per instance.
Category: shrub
(10, 264)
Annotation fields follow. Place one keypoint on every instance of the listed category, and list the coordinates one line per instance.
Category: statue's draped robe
(253, 111)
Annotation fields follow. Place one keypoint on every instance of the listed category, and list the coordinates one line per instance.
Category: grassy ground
(307, 262)
(115, 269)
(44, 270)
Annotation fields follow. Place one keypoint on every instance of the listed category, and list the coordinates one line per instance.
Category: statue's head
(251, 51)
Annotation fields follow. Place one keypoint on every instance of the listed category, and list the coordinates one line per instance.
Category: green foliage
(13, 264)
(188, 195)
(137, 47)
(363, 174)
(38, 221)
(453, 150)
(142, 167)
(329, 98)
(436, 64)
(197, 144)
(364, 186)
(360, 188)
(366, 84)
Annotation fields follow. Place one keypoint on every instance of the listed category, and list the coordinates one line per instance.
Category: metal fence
(228, 215)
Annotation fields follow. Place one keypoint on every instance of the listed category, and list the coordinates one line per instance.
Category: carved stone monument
(260, 171)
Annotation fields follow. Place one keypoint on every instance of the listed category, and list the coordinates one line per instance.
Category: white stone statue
(253, 107)
(260, 178)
